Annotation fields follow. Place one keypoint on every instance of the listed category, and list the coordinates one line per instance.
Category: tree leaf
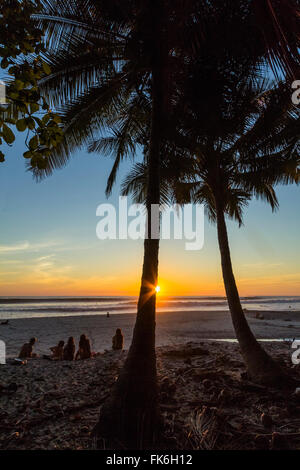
(34, 143)
(8, 134)
(46, 68)
(21, 125)
(34, 107)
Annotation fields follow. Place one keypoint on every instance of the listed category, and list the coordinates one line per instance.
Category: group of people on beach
(66, 352)
(63, 352)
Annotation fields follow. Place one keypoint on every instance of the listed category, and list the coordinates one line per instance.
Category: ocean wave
(37, 300)
(66, 306)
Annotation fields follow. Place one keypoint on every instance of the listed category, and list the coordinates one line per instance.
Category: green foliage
(20, 40)
(7, 134)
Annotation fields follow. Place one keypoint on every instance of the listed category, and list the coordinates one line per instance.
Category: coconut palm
(255, 147)
(106, 56)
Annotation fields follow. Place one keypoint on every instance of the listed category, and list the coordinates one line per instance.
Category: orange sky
(48, 243)
(44, 278)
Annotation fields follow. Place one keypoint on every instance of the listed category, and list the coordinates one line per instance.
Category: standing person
(69, 350)
(84, 350)
(107, 314)
(26, 350)
(118, 340)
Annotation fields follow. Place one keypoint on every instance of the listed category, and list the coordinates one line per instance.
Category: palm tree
(103, 55)
(255, 147)
(117, 58)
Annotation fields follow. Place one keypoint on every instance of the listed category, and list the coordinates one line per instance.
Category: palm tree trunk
(130, 417)
(260, 366)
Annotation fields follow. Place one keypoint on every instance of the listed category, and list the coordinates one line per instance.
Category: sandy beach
(172, 328)
(205, 400)
(205, 397)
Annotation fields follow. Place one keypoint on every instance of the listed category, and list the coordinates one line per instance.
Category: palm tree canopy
(100, 53)
(252, 146)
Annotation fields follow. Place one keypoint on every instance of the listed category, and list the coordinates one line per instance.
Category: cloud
(25, 246)
(262, 265)
(288, 278)
(44, 258)
(8, 273)
(13, 248)
(11, 261)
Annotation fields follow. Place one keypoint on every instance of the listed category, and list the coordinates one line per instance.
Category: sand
(172, 328)
(205, 399)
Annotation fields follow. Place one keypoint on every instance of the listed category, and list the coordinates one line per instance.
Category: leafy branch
(20, 38)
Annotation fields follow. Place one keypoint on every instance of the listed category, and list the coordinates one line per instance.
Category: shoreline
(172, 328)
(269, 314)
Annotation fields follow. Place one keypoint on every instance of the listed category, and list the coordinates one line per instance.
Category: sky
(48, 242)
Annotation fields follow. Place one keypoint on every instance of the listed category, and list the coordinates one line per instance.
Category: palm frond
(280, 24)
(75, 69)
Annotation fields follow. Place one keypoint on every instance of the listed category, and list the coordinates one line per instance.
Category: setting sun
(157, 289)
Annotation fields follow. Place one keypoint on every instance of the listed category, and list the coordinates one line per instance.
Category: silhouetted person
(26, 350)
(69, 350)
(58, 351)
(118, 340)
(107, 314)
(84, 350)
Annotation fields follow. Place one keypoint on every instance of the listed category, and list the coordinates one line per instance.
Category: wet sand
(172, 328)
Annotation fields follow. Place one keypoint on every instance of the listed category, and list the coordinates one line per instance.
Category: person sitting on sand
(58, 351)
(118, 339)
(69, 350)
(26, 350)
(84, 350)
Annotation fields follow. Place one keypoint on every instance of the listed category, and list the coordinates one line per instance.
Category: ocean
(32, 307)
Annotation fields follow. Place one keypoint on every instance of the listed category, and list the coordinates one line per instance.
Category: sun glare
(157, 289)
